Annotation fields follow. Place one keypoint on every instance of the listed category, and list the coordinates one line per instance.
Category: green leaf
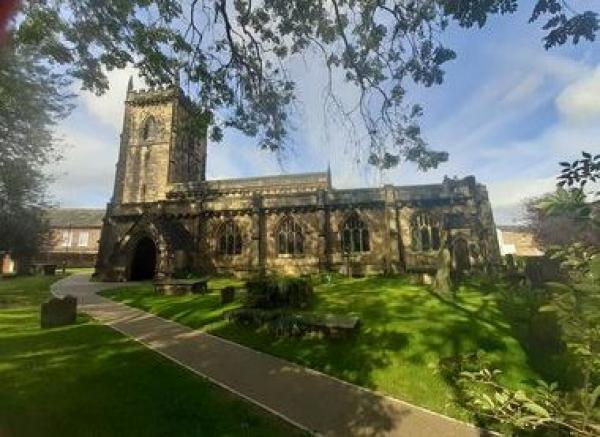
(536, 409)
(594, 396)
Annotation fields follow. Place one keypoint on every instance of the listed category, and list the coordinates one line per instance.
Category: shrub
(288, 325)
(278, 323)
(282, 323)
(273, 292)
(251, 316)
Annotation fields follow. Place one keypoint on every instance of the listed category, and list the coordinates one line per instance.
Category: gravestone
(58, 312)
(45, 269)
(442, 283)
(227, 295)
(510, 262)
(542, 269)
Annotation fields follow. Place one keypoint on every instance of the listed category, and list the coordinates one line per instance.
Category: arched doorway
(143, 261)
(461, 255)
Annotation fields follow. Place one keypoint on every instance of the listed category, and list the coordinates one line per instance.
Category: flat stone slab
(311, 400)
(47, 269)
(178, 287)
(332, 325)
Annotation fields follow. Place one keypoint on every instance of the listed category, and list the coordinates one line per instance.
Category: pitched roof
(74, 217)
(294, 179)
(515, 228)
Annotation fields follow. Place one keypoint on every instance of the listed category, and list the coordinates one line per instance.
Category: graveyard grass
(86, 379)
(407, 331)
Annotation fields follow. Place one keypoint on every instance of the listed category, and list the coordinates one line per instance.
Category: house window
(66, 238)
(355, 235)
(425, 233)
(230, 239)
(290, 240)
(84, 237)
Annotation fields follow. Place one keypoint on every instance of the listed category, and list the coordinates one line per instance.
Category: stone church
(165, 219)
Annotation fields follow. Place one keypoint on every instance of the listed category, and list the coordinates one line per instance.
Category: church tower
(163, 142)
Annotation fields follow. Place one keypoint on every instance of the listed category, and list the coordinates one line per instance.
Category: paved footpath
(308, 399)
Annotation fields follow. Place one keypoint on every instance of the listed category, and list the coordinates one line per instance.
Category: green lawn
(406, 331)
(87, 379)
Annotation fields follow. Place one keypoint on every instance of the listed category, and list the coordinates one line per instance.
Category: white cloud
(580, 101)
(108, 108)
(512, 192)
(524, 89)
(228, 160)
(85, 176)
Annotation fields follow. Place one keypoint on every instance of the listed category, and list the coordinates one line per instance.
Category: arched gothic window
(290, 239)
(355, 235)
(150, 129)
(230, 239)
(425, 233)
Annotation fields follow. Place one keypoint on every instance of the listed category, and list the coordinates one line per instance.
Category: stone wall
(160, 193)
(518, 242)
(151, 159)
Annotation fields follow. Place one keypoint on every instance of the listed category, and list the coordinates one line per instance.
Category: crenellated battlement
(160, 94)
(156, 146)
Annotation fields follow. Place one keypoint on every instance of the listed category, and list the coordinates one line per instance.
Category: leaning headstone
(227, 295)
(58, 312)
(442, 283)
(510, 263)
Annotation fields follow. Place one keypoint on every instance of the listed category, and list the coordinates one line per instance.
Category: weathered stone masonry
(291, 224)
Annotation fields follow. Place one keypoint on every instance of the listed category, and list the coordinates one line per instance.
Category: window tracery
(355, 235)
(229, 239)
(290, 238)
(425, 233)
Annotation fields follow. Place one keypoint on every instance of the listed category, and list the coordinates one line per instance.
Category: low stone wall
(70, 259)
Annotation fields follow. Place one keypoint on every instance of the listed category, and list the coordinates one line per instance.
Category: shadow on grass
(406, 332)
(86, 379)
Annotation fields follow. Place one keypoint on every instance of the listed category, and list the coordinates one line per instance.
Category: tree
(581, 171)
(561, 218)
(32, 100)
(22, 189)
(572, 410)
(574, 304)
(233, 55)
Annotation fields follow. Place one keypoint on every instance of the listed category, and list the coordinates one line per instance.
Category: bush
(283, 323)
(278, 323)
(271, 293)
(288, 325)
(251, 316)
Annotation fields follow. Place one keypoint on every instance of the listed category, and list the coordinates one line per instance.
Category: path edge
(483, 431)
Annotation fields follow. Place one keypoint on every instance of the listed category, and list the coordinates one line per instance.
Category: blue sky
(507, 112)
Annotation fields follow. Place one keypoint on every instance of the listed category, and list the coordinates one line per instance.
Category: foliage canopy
(32, 99)
(233, 55)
